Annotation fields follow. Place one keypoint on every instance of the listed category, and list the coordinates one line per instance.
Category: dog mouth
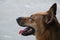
(27, 31)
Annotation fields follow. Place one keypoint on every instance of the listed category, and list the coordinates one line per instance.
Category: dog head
(38, 21)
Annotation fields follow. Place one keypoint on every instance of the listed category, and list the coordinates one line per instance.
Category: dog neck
(49, 33)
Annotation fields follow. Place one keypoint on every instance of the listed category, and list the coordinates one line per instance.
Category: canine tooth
(30, 30)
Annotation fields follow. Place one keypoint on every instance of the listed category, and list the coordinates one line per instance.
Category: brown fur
(45, 24)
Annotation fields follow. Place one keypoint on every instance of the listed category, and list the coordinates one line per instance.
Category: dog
(43, 25)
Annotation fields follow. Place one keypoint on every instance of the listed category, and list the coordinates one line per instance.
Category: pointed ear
(51, 13)
(53, 9)
(49, 18)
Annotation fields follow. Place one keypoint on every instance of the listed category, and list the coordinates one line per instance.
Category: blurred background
(12, 9)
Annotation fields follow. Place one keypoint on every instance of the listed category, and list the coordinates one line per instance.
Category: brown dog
(43, 25)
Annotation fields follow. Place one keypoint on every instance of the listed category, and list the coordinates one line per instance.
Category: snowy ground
(12, 9)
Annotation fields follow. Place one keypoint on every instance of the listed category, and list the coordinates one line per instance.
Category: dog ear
(49, 18)
(51, 14)
(53, 9)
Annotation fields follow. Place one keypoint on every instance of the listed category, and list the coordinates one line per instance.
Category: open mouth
(27, 31)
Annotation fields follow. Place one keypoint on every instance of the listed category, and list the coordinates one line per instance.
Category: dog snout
(19, 18)
(20, 21)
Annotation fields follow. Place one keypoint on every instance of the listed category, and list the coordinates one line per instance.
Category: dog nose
(19, 18)
(19, 21)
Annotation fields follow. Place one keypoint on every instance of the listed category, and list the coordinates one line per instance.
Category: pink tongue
(21, 31)
(24, 30)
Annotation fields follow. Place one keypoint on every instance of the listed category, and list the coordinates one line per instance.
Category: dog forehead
(40, 13)
(36, 16)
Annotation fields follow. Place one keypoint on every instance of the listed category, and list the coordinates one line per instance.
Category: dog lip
(30, 31)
